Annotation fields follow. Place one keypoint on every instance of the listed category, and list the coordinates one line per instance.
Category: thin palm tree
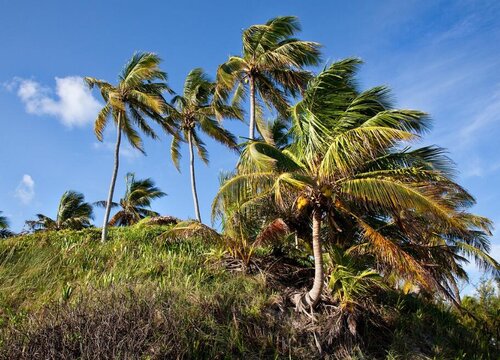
(270, 68)
(344, 168)
(4, 227)
(195, 111)
(73, 213)
(136, 202)
(137, 96)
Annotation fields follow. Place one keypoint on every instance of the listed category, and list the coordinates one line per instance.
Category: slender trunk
(314, 294)
(113, 180)
(193, 178)
(251, 133)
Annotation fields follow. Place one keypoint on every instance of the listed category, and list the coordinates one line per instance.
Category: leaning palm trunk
(251, 133)
(113, 182)
(193, 179)
(314, 294)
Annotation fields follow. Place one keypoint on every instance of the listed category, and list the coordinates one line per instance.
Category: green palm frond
(396, 195)
(103, 204)
(426, 158)
(102, 121)
(266, 157)
(483, 260)
(241, 188)
(353, 148)
(213, 129)
(175, 152)
(104, 87)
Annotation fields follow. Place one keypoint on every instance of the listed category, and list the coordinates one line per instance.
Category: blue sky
(442, 57)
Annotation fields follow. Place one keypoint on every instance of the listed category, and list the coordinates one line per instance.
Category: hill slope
(65, 295)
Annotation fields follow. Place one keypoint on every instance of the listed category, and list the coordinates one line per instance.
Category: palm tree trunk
(193, 178)
(113, 180)
(251, 133)
(314, 294)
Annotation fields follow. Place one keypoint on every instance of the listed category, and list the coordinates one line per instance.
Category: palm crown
(4, 227)
(271, 65)
(73, 213)
(137, 96)
(194, 112)
(136, 202)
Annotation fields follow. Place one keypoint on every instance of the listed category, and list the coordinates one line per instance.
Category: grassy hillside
(162, 290)
(66, 295)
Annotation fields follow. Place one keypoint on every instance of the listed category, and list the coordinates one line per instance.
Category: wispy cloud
(487, 116)
(451, 73)
(480, 167)
(25, 191)
(73, 103)
(127, 151)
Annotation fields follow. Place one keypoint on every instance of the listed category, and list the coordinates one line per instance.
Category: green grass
(60, 271)
(66, 295)
(40, 268)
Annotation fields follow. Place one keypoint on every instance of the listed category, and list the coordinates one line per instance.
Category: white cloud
(25, 191)
(73, 102)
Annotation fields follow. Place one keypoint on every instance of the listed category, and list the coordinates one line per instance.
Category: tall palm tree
(73, 213)
(136, 201)
(346, 171)
(137, 96)
(4, 227)
(195, 111)
(270, 67)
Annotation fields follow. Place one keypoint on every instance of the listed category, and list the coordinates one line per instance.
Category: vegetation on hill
(148, 294)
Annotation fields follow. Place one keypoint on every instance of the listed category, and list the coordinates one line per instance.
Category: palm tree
(346, 171)
(4, 227)
(136, 201)
(271, 66)
(73, 213)
(194, 112)
(137, 96)
(4, 223)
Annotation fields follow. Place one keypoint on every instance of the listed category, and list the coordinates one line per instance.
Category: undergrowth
(64, 295)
